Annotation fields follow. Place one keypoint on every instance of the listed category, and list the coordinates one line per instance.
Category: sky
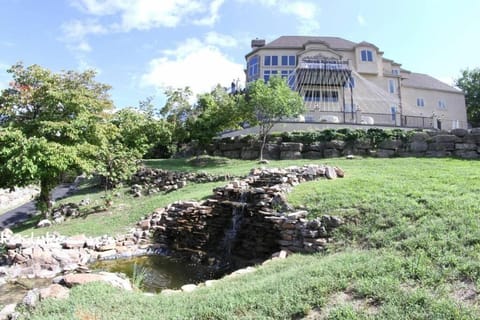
(143, 47)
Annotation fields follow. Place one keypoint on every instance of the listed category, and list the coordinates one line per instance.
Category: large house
(346, 82)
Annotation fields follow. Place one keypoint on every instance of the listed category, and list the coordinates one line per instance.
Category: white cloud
(75, 34)
(147, 14)
(361, 19)
(306, 12)
(213, 16)
(220, 40)
(194, 63)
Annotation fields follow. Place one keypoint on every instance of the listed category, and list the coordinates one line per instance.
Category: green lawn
(410, 250)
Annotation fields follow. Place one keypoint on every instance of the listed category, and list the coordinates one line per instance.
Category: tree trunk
(45, 200)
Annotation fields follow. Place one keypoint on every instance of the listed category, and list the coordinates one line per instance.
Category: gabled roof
(300, 41)
(424, 81)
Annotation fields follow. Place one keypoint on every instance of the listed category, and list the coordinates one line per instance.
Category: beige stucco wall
(455, 105)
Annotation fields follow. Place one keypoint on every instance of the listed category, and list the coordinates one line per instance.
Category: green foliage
(139, 130)
(469, 83)
(52, 124)
(138, 276)
(271, 102)
(216, 112)
(116, 163)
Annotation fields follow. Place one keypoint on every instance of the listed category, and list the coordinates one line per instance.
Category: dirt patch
(361, 304)
(465, 292)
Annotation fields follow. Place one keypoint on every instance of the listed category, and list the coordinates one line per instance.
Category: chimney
(257, 43)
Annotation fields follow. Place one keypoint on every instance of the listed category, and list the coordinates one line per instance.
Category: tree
(469, 83)
(176, 111)
(215, 112)
(52, 124)
(271, 102)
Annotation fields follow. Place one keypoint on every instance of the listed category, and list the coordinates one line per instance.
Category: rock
(189, 287)
(350, 157)
(144, 224)
(297, 215)
(44, 223)
(6, 234)
(168, 292)
(210, 283)
(54, 291)
(31, 298)
(340, 173)
(330, 173)
(84, 202)
(75, 242)
(460, 132)
(7, 311)
(418, 146)
(107, 254)
(110, 278)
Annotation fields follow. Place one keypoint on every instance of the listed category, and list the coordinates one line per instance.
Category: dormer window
(366, 55)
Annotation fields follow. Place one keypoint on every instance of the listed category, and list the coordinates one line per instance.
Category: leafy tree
(469, 83)
(139, 129)
(271, 102)
(53, 123)
(176, 111)
(216, 112)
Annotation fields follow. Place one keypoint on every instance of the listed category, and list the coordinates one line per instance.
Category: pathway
(26, 211)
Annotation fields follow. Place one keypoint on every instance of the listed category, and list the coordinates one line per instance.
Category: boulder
(31, 298)
(6, 234)
(459, 132)
(417, 146)
(75, 242)
(189, 287)
(7, 311)
(54, 291)
(75, 279)
(330, 173)
(44, 223)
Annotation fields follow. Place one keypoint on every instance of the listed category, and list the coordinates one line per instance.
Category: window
(367, 55)
(420, 102)
(284, 74)
(267, 60)
(393, 109)
(291, 79)
(274, 60)
(391, 85)
(253, 68)
(395, 72)
(291, 60)
(274, 72)
(442, 104)
(324, 96)
(266, 75)
(284, 60)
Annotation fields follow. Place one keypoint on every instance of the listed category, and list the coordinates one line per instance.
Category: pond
(157, 272)
(13, 292)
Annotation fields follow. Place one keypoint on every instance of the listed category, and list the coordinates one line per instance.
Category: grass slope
(410, 250)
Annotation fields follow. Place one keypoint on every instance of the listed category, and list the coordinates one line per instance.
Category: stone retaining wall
(460, 143)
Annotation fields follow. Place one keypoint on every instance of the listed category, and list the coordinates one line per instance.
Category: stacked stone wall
(459, 143)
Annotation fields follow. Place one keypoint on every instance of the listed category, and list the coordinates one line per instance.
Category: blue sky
(141, 47)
